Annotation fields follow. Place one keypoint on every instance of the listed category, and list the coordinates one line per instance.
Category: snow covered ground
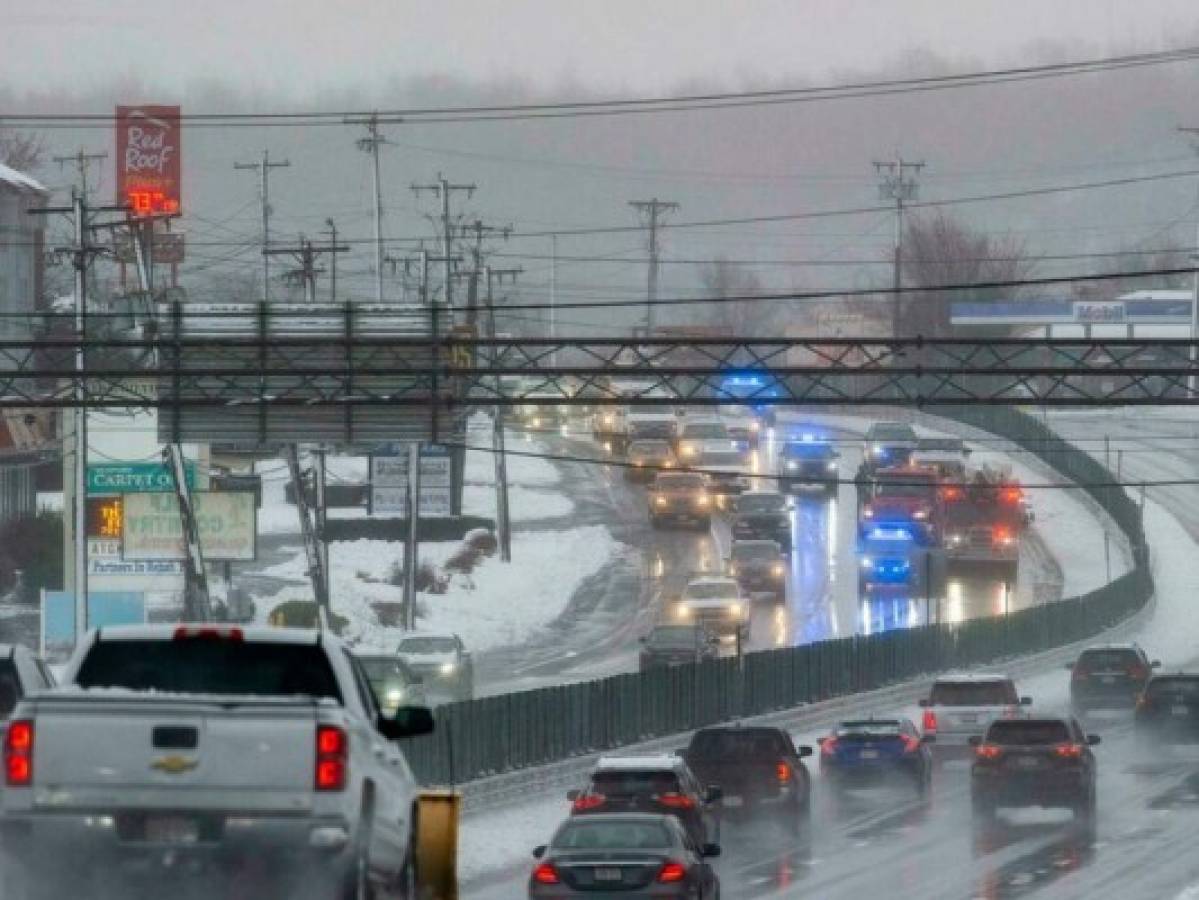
(500, 840)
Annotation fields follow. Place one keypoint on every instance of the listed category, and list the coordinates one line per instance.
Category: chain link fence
(492, 735)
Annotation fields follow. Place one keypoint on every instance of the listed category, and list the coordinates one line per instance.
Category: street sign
(389, 481)
(131, 478)
(227, 523)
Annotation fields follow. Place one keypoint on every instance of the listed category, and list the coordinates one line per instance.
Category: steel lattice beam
(367, 371)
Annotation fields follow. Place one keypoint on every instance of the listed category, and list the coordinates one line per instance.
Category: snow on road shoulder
(497, 603)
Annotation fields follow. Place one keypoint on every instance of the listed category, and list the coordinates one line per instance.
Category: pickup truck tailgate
(133, 750)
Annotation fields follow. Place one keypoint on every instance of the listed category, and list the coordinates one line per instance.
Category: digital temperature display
(149, 203)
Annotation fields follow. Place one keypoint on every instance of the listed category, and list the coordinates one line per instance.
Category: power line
(643, 105)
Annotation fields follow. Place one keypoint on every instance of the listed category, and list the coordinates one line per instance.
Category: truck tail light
(585, 802)
(1002, 535)
(783, 772)
(208, 633)
(545, 874)
(18, 753)
(671, 873)
(332, 758)
(930, 721)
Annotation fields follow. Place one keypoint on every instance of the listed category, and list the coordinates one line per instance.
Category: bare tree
(941, 250)
(722, 279)
(1162, 252)
(23, 152)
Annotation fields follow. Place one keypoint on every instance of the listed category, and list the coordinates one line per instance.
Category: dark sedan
(626, 855)
(762, 516)
(1034, 762)
(1110, 677)
(872, 751)
(760, 568)
(673, 645)
(1168, 710)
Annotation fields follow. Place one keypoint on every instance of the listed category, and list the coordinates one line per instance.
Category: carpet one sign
(149, 159)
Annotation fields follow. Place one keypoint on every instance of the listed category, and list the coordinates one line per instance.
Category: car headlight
(777, 570)
(954, 539)
(703, 500)
(608, 420)
(448, 668)
(920, 515)
(660, 500)
(732, 570)
(755, 427)
(832, 467)
(395, 696)
(879, 449)
(668, 464)
(867, 562)
(735, 610)
(638, 463)
(682, 611)
(792, 465)
(867, 512)
(536, 422)
(687, 450)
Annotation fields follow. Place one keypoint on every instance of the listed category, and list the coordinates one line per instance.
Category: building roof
(19, 180)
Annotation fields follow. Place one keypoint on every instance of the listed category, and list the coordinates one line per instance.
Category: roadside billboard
(389, 481)
(227, 523)
(149, 151)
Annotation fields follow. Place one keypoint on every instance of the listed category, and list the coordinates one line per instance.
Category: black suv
(760, 772)
(762, 516)
(1109, 677)
(1044, 762)
(673, 645)
(887, 444)
(805, 464)
(1168, 709)
(760, 568)
(659, 783)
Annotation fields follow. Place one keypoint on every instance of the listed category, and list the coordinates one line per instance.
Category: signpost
(226, 522)
(134, 478)
(389, 481)
(149, 150)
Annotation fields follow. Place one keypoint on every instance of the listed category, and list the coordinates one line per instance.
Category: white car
(441, 661)
(959, 707)
(717, 603)
(699, 434)
(181, 748)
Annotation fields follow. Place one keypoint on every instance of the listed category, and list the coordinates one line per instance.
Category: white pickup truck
(212, 752)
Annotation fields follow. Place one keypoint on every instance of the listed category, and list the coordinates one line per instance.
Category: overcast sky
(640, 46)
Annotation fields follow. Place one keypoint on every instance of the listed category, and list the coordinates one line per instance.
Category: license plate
(608, 875)
(1107, 679)
(733, 801)
(868, 754)
(1180, 711)
(1027, 762)
(172, 830)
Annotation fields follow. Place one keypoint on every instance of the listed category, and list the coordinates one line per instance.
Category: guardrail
(488, 736)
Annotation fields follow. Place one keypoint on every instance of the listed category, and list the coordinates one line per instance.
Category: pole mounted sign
(134, 478)
(226, 522)
(389, 481)
(149, 171)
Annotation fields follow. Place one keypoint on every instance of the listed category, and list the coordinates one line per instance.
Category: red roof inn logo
(148, 159)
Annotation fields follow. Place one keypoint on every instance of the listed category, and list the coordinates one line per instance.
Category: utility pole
(420, 261)
(82, 161)
(651, 211)
(332, 260)
(897, 183)
(263, 167)
(1194, 132)
(443, 188)
(499, 454)
(371, 144)
(479, 231)
(306, 254)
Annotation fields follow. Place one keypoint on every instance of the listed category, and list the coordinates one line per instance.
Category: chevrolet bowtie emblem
(174, 765)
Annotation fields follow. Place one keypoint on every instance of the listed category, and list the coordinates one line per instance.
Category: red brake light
(332, 752)
(18, 753)
(208, 633)
(676, 801)
(1002, 534)
(951, 493)
(910, 744)
(1068, 751)
(783, 772)
(828, 746)
(988, 751)
(585, 802)
(930, 721)
(1010, 495)
(672, 873)
(545, 874)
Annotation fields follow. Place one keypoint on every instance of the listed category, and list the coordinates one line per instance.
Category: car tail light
(332, 752)
(585, 802)
(951, 493)
(676, 801)
(783, 772)
(1002, 535)
(988, 751)
(828, 746)
(930, 721)
(910, 744)
(208, 633)
(18, 753)
(671, 873)
(1068, 751)
(545, 874)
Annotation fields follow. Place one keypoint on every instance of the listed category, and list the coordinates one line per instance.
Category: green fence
(532, 728)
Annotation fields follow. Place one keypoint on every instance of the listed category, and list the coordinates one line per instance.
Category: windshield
(974, 693)
(866, 730)
(707, 590)
(418, 646)
(1108, 660)
(634, 783)
(1028, 732)
(589, 834)
(705, 431)
(381, 670)
(754, 503)
(808, 451)
(209, 666)
(894, 489)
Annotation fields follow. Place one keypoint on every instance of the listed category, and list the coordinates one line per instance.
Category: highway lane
(598, 634)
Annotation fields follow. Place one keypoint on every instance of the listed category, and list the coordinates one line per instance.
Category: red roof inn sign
(148, 159)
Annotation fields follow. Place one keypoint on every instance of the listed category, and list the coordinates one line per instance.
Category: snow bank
(499, 603)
